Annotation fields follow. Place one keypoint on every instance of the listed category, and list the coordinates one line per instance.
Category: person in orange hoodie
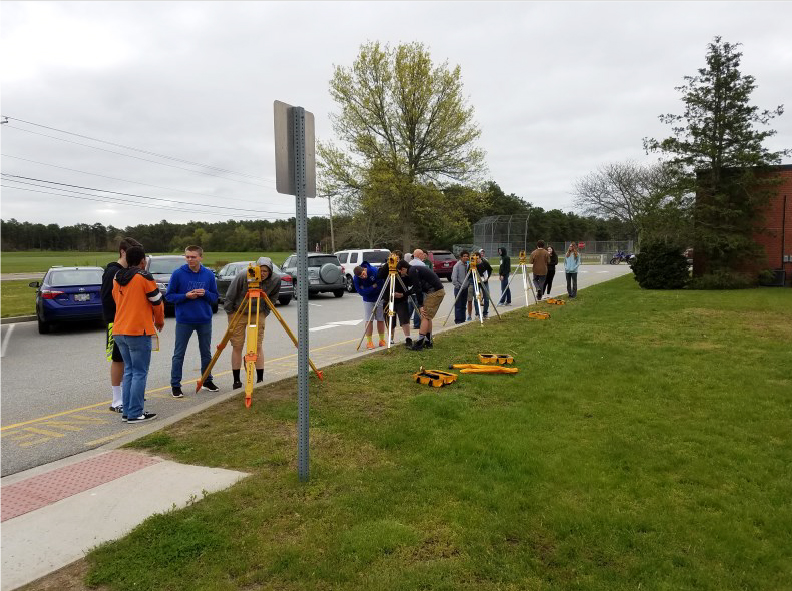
(140, 314)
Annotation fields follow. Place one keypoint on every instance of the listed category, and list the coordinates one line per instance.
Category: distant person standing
(112, 353)
(418, 258)
(571, 266)
(551, 269)
(192, 290)
(139, 316)
(539, 260)
(504, 270)
(458, 280)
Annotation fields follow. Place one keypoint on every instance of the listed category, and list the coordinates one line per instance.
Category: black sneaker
(177, 392)
(428, 344)
(118, 408)
(123, 418)
(419, 345)
(237, 385)
(210, 385)
(146, 416)
(408, 342)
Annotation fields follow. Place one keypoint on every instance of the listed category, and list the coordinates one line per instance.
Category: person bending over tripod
(270, 284)
(366, 284)
(429, 293)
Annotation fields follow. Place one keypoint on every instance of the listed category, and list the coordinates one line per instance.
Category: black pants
(549, 279)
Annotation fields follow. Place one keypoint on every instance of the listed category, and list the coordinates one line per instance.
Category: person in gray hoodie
(461, 282)
(270, 284)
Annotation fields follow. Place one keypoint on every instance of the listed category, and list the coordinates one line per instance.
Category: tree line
(349, 232)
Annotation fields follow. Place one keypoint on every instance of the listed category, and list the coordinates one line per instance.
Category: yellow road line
(67, 412)
(110, 437)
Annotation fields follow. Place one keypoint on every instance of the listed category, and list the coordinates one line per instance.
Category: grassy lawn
(17, 298)
(645, 443)
(41, 260)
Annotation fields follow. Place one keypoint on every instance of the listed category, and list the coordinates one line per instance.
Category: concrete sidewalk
(52, 515)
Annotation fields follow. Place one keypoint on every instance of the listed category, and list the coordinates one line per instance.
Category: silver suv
(350, 259)
(324, 273)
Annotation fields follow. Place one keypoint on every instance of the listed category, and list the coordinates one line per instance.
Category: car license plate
(82, 297)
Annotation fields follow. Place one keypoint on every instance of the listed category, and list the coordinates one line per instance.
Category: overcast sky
(558, 88)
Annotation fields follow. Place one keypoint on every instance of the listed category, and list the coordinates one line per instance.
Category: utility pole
(332, 235)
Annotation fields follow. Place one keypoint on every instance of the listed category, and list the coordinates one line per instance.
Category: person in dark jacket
(369, 288)
(237, 289)
(551, 266)
(192, 290)
(504, 270)
(429, 293)
(485, 272)
(112, 354)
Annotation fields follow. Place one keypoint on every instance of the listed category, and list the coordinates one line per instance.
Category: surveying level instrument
(523, 268)
(479, 290)
(390, 285)
(250, 308)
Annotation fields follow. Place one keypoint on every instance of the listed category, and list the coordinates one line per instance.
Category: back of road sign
(285, 152)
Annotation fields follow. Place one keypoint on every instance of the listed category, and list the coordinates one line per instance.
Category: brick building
(776, 237)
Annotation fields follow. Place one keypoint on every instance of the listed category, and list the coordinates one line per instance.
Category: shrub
(723, 279)
(661, 266)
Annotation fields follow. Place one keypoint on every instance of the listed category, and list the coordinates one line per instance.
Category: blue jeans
(136, 352)
(416, 317)
(485, 297)
(505, 291)
(183, 333)
(460, 307)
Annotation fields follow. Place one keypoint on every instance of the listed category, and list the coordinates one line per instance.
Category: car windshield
(444, 256)
(376, 256)
(164, 265)
(76, 277)
(322, 260)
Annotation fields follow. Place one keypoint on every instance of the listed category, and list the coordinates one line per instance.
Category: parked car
(161, 267)
(324, 273)
(443, 262)
(227, 274)
(350, 259)
(68, 294)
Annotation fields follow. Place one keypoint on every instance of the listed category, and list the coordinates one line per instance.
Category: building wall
(776, 238)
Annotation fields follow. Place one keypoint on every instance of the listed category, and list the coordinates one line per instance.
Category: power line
(14, 176)
(129, 181)
(138, 157)
(136, 149)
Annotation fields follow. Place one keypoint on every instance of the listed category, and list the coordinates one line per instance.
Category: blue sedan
(68, 294)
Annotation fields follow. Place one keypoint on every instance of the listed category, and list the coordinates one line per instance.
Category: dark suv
(443, 262)
(161, 267)
(324, 273)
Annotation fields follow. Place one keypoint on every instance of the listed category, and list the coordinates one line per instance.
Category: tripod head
(522, 257)
(474, 259)
(393, 260)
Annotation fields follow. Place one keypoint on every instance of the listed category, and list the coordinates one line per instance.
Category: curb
(13, 319)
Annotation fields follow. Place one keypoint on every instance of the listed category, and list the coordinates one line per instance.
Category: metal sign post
(296, 175)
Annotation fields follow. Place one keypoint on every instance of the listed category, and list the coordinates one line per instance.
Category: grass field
(40, 261)
(17, 298)
(645, 444)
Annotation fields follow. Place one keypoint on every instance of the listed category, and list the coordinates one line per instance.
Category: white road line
(5, 341)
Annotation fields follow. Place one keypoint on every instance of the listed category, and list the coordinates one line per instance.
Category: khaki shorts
(238, 335)
(432, 302)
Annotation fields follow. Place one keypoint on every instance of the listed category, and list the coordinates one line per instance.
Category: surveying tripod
(479, 289)
(390, 285)
(251, 302)
(523, 267)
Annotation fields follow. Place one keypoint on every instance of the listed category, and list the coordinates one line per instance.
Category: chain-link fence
(507, 231)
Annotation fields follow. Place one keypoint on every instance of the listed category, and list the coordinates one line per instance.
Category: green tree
(400, 111)
(719, 151)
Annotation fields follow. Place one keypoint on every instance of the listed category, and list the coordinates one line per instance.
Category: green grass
(41, 260)
(645, 443)
(17, 298)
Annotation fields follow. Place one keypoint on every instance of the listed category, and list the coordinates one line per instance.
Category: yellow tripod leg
(223, 342)
(251, 355)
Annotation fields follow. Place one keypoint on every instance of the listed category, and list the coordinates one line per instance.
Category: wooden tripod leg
(223, 342)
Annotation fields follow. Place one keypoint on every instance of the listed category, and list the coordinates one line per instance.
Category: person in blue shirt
(192, 290)
(571, 266)
(369, 288)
